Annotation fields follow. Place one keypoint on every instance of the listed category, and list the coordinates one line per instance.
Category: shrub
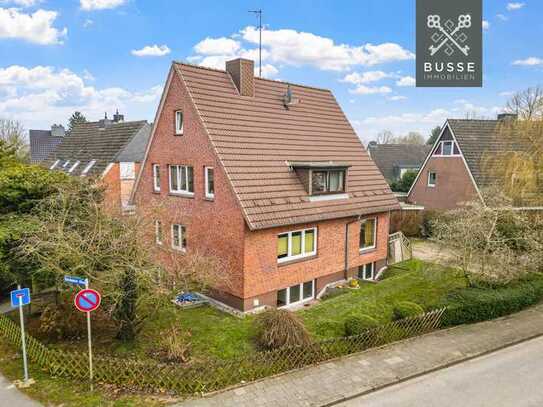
(358, 324)
(277, 328)
(470, 305)
(406, 309)
(175, 345)
(329, 328)
(62, 320)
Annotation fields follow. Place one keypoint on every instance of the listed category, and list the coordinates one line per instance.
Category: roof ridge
(256, 77)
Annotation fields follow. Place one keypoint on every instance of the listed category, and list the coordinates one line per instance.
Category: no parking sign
(87, 300)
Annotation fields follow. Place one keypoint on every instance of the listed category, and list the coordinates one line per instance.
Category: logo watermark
(449, 43)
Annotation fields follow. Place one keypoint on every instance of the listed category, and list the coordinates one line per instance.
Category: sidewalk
(11, 396)
(349, 377)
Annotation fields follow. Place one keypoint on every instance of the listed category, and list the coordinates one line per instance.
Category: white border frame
(181, 236)
(52, 167)
(428, 179)
(363, 278)
(88, 167)
(156, 177)
(367, 249)
(209, 195)
(302, 299)
(179, 131)
(290, 257)
(185, 192)
(452, 151)
(74, 166)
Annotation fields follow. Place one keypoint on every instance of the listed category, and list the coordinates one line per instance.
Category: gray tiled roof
(390, 158)
(480, 138)
(42, 143)
(87, 141)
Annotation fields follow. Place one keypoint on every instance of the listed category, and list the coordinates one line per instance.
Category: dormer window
(446, 149)
(178, 123)
(322, 178)
(54, 165)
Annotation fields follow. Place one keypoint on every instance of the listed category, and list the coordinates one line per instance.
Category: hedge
(406, 309)
(469, 305)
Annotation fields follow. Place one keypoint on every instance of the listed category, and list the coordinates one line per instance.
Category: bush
(329, 328)
(175, 345)
(62, 320)
(406, 309)
(277, 328)
(470, 305)
(356, 325)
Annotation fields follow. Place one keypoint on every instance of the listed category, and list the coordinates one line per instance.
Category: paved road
(10, 396)
(510, 377)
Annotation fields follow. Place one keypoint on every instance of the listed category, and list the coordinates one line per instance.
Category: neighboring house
(455, 173)
(267, 176)
(109, 150)
(394, 160)
(44, 142)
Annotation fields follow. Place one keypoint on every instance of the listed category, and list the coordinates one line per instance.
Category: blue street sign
(21, 296)
(75, 280)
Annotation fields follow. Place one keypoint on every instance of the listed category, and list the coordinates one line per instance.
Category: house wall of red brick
(454, 186)
(213, 227)
(116, 191)
(264, 276)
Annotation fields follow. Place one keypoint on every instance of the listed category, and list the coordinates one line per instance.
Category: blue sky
(99, 55)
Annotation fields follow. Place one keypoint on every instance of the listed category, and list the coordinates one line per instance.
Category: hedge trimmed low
(406, 309)
(470, 305)
(358, 324)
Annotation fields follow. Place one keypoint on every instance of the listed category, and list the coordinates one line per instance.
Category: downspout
(346, 269)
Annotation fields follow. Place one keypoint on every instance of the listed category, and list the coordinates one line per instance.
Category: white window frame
(179, 129)
(302, 299)
(73, 167)
(435, 179)
(441, 145)
(156, 177)
(376, 225)
(52, 167)
(127, 166)
(88, 167)
(303, 254)
(180, 191)
(158, 232)
(182, 237)
(209, 195)
(66, 164)
(363, 277)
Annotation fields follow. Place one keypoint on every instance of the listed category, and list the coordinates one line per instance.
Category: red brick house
(110, 151)
(454, 172)
(268, 176)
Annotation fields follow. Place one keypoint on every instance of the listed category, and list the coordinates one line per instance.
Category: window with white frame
(73, 167)
(432, 178)
(66, 163)
(366, 271)
(179, 237)
(158, 232)
(156, 177)
(368, 234)
(296, 294)
(54, 165)
(181, 179)
(88, 167)
(296, 245)
(446, 149)
(210, 182)
(178, 122)
(128, 170)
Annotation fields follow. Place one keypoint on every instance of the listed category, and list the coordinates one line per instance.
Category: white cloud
(502, 17)
(486, 25)
(370, 90)
(151, 51)
(515, 6)
(88, 76)
(22, 3)
(365, 77)
(88, 22)
(36, 27)
(507, 93)
(531, 61)
(43, 95)
(296, 48)
(217, 46)
(89, 5)
(268, 70)
(406, 81)
(397, 98)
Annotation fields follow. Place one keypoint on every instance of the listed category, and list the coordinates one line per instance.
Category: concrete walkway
(351, 377)
(12, 397)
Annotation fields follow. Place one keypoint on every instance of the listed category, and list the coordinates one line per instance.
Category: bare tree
(385, 137)
(12, 133)
(412, 137)
(528, 104)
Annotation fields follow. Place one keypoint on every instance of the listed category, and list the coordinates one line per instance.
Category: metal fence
(203, 377)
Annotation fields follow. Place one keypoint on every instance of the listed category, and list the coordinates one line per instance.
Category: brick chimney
(242, 72)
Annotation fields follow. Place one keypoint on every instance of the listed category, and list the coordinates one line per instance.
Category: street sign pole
(90, 340)
(23, 336)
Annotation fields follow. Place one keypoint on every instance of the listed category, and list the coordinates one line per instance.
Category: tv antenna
(258, 13)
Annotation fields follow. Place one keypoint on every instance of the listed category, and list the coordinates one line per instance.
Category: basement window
(296, 294)
(296, 245)
(366, 271)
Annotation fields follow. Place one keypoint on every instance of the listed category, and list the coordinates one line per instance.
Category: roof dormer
(322, 178)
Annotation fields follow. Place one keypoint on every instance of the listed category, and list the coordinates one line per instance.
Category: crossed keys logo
(448, 35)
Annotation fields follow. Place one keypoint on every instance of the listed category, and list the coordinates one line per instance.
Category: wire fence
(203, 377)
